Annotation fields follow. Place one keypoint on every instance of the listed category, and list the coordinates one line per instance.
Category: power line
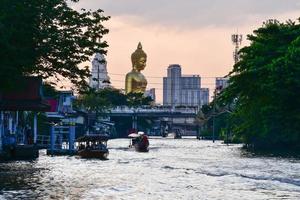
(112, 80)
(149, 83)
(208, 77)
(181, 89)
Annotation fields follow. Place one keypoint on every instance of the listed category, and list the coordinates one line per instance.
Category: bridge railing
(43, 140)
(124, 109)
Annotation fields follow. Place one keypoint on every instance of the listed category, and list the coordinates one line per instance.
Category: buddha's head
(139, 58)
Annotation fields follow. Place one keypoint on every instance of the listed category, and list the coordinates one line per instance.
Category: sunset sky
(193, 33)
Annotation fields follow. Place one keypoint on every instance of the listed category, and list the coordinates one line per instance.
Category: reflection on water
(172, 169)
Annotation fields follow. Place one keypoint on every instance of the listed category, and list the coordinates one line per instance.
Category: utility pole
(98, 70)
(98, 77)
(219, 87)
(214, 113)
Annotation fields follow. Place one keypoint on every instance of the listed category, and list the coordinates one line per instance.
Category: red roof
(27, 97)
(53, 105)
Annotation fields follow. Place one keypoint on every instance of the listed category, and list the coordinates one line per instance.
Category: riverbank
(19, 152)
(274, 151)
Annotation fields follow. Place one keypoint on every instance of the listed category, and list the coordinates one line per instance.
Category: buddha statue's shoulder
(131, 74)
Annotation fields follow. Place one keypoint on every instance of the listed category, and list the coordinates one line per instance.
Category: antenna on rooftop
(237, 41)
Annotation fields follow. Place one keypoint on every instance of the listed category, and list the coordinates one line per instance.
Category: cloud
(192, 13)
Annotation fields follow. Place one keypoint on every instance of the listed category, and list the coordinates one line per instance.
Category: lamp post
(217, 89)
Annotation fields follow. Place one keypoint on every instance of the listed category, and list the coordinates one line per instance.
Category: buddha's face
(141, 63)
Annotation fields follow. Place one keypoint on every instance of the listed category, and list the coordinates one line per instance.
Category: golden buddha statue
(135, 81)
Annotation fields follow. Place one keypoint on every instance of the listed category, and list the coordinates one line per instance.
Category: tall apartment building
(151, 93)
(221, 83)
(204, 96)
(182, 90)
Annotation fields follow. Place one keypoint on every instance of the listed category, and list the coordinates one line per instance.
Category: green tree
(114, 97)
(47, 38)
(100, 102)
(218, 117)
(50, 91)
(105, 99)
(137, 99)
(92, 102)
(264, 86)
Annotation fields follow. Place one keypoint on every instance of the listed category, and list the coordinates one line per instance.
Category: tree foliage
(137, 99)
(100, 102)
(103, 100)
(213, 116)
(264, 86)
(47, 38)
(49, 91)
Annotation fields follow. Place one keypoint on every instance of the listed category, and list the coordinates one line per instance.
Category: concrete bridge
(151, 112)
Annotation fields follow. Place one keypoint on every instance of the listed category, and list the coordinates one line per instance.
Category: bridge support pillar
(52, 140)
(134, 122)
(35, 128)
(71, 138)
(1, 129)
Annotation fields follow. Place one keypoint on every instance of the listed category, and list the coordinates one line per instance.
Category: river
(172, 169)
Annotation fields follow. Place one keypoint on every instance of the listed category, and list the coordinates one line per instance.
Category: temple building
(99, 78)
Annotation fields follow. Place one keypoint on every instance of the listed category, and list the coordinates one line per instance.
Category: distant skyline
(195, 34)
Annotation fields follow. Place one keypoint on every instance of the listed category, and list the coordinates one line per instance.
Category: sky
(193, 33)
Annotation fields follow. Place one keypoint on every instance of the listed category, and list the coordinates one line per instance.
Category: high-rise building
(151, 93)
(181, 90)
(171, 86)
(221, 83)
(204, 96)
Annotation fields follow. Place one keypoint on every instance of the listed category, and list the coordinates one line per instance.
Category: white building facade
(99, 78)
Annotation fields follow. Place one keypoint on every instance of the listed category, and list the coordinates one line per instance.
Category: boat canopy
(134, 135)
(93, 138)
